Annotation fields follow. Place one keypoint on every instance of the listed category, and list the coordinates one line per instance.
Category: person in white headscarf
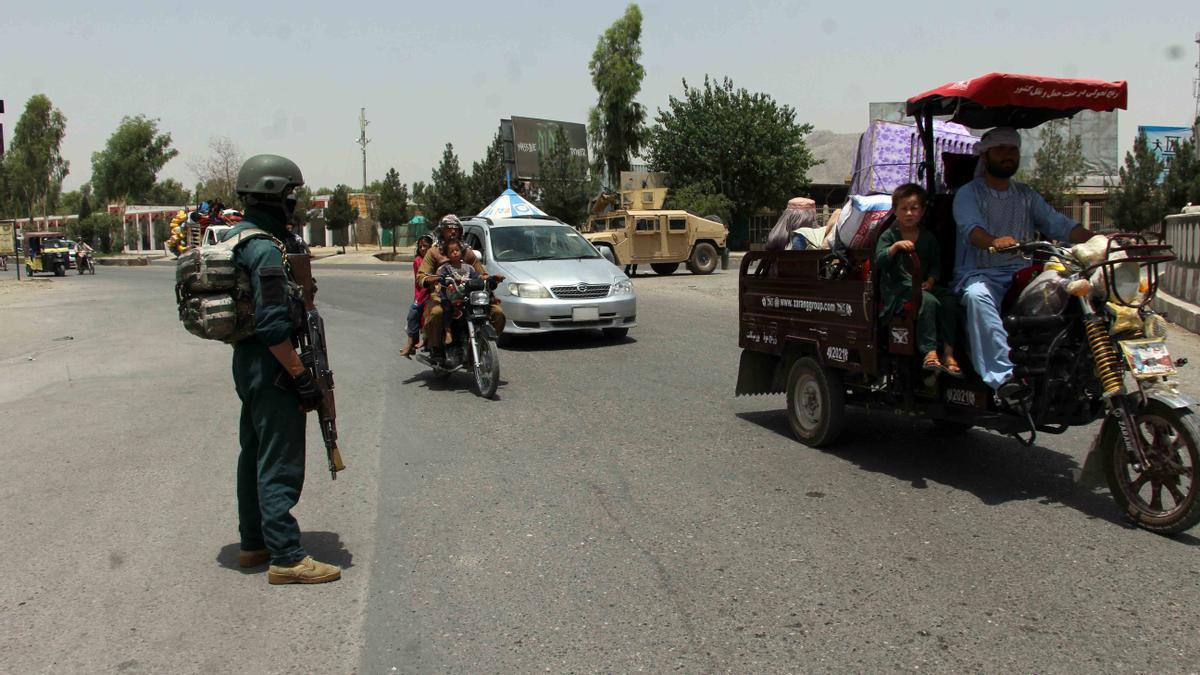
(995, 212)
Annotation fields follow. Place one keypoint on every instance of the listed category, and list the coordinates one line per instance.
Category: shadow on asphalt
(994, 468)
(460, 381)
(575, 339)
(324, 546)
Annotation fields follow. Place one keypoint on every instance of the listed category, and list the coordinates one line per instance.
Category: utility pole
(362, 141)
(1196, 89)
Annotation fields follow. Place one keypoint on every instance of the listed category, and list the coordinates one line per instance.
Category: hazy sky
(289, 78)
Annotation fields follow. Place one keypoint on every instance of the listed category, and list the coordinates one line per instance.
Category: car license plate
(1147, 358)
(585, 314)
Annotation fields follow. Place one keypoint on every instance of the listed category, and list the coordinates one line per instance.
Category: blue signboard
(1164, 142)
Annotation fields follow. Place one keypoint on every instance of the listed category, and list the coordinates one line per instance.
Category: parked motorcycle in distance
(473, 343)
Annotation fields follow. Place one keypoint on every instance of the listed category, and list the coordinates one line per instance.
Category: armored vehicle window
(646, 225)
(677, 224)
(599, 225)
(616, 224)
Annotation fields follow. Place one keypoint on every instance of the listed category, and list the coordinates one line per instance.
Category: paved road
(616, 510)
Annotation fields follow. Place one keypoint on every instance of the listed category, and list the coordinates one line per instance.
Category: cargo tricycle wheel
(1163, 498)
(816, 403)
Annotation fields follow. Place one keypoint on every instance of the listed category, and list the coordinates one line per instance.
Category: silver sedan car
(554, 278)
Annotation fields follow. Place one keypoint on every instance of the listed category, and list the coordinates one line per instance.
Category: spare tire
(715, 218)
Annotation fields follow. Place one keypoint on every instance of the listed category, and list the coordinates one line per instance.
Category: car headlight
(479, 297)
(528, 290)
(621, 287)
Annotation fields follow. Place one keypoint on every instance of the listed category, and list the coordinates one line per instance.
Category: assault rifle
(315, 357)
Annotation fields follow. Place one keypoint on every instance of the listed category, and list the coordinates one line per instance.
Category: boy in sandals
(937, 321)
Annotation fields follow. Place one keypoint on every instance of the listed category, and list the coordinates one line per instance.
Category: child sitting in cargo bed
(937, 320)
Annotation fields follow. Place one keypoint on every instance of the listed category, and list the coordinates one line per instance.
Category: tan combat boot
(306, 571)
(253, 558)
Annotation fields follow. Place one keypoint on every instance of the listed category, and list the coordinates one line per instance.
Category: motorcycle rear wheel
(1172, 436)
(487, 368)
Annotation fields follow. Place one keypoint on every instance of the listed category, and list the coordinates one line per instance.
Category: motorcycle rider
(994, 212)
(450, 229)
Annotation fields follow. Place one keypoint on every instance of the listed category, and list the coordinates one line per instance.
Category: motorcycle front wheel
(1163, 498)
(487, 367)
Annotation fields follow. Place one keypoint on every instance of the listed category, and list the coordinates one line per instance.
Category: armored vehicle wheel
(816, 403)
(704, 259)
(664, 268)
(1166, 497)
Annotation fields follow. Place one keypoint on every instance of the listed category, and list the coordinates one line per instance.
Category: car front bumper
(544, 315)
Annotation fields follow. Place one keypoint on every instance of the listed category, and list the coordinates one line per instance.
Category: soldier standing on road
(273, 384)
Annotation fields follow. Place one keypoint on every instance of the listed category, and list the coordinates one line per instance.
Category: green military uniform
(937, 320)
(270, 471)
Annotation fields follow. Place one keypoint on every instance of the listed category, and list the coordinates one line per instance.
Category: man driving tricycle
(1059, 328)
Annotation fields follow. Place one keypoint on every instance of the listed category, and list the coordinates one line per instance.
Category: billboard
(530, 137)
(8, 238)
(1164, 142)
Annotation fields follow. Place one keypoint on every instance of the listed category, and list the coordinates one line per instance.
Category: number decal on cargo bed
(839, 354)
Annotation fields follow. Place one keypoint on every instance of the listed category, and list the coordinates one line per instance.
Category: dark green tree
(1182, 183)
(85, 201)
(1058, 164)
(447, 190)
(339, 214)
(617, 123)
(701, 199)
(129, 163)
(34, 166)
(420, 202)
(487, 179)
(742, 145)
(303, 205)
(171, 192)
(393, 204)
(562, 181)
(1137, 202)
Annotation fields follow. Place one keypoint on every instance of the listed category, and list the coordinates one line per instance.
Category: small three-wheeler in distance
(46, 252)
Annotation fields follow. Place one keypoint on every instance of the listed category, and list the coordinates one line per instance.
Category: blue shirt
(1018, 212)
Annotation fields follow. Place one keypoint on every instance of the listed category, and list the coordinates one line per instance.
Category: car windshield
(540, 242)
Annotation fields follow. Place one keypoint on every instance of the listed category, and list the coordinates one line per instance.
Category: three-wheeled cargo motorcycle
(46, 252)
(810, 327)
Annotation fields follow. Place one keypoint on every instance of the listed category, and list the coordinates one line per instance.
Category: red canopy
(1020, 101)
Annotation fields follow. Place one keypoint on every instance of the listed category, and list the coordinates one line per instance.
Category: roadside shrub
(103, 231)
(701, 199)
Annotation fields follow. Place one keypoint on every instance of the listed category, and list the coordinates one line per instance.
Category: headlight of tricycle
(528, 290)
(621, 287)
(479, 297)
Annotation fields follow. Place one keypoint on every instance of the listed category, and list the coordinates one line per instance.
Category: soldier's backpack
(215, 299)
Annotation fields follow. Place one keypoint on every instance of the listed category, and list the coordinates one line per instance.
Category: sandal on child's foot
(931, 362)
(950, 367)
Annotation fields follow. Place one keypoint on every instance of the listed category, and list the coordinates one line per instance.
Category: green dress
(938, 319)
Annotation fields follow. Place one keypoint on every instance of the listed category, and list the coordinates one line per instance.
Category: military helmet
(268, 175)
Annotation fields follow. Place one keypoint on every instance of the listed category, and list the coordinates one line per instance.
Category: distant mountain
(837, 152)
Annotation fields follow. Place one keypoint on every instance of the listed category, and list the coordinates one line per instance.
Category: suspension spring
(1108, 365)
